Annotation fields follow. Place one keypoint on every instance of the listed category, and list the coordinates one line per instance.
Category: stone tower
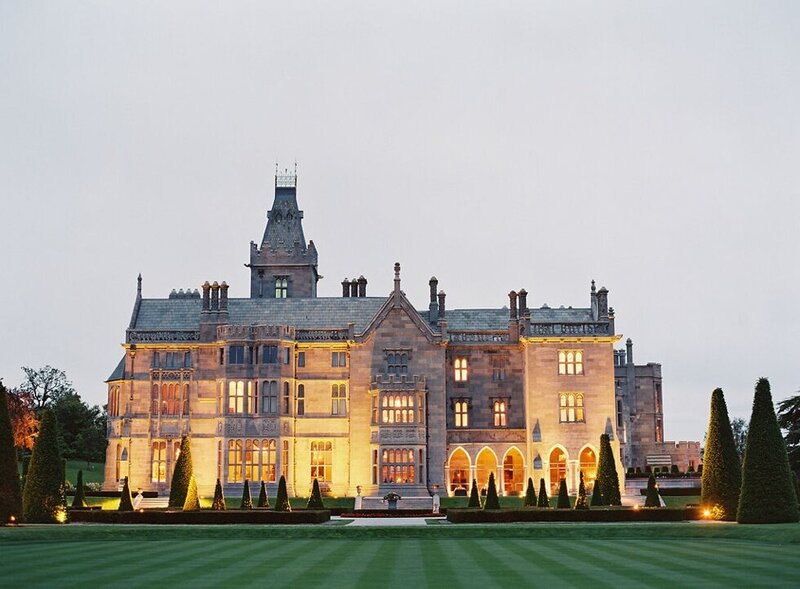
(284, 265)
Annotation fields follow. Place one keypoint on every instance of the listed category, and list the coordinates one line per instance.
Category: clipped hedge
(460, 515)
(202, 517)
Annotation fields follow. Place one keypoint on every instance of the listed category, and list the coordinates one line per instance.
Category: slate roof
(119, 371)
(497, 319)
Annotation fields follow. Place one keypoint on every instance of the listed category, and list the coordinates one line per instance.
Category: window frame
(571, 407)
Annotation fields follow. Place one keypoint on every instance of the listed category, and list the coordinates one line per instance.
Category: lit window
(322, 461)
(570, 407)
(285, 458)
(460, 369)
(236, 396)
(499, 412)
(236, 355)
(570, 362)
(281, 287)
(170, 399)
(252, 397)
(286, 399)
(338, 359)
(251, 454)
(268, 461)
(398, 466)
(301, 400)
(234, 461)
(269, 397)
(338, 399)
(159, 471)
(398, 408)
(462, 413)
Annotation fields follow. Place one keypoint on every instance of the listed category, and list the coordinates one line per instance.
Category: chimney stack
(354, 288)
(345, 288)
(432, 307)
(441, 296)
(362, 286)
(206, 296)
(629, 350)
(512, 298)
(523, 302)
(215, 296)
(223, 297)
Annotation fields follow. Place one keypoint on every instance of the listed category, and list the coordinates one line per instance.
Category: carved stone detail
(486, 436)
(162, 336)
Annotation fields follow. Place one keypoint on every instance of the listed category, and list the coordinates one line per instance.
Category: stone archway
(486, 463)
(513, 473)
(558, 468)
(459, 473)
(588, 466)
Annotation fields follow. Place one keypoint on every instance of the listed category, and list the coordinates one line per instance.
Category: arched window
(154, 400)
(459, 473)
(281, 287)
(462, 413)
(513, 472)
(268, 461)
(322, 461)
(186, 399)
(588, 466)
(234, 461)
(558, 468)
(499, 412)
(461, 369)
(570, 362)
(252, 451)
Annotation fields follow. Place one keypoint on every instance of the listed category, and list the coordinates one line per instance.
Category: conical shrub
(43, 498)
(125, 501)
(492, 500)
(563, 496)
(474, 497)
(182, 475)
(653, 499)
(607, 476)
(581, 502)
(530, 494)
(219, 499)
(597, 496)
(192, 502)
(722, 475)
(544, 500)
(767, 494)
(263, 498)
(10, 492)
(282, 499)
(315, 501)
(79, 501)
(247, 502)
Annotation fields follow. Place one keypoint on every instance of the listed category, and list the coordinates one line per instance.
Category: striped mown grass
(597, 556)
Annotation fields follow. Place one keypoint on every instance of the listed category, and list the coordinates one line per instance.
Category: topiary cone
(607, 476)
(263, 498)
(125, 501)
(315, 501)
(219, 499)
(597, 497)
(563, 496)
(722, 475)
(79, 501)
(530, 494)
(544, 500)
(474, 498)
(192, 502)
(492, 500)
(247, 502)
(43, 498)
(282, 499)
(652, 499)
(182, 475)
(581, 502)
(10, 492)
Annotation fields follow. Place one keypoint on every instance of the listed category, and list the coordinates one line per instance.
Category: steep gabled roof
(119, 371)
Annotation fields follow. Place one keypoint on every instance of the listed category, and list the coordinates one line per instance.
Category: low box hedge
(532, 514)
(204, 517)
(675, 491)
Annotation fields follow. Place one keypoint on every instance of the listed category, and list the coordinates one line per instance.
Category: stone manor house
(371, 391)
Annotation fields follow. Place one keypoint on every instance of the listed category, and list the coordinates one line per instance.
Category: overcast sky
(653, 147)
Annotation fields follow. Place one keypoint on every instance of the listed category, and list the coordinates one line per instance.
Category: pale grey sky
(652, 146)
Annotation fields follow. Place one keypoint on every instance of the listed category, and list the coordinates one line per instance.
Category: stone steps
(416, 503)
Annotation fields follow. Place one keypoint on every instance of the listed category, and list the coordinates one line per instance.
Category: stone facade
(359, 390)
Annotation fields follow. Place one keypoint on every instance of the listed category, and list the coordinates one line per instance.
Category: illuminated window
(398, 466)
(659, 429)
(269, 397)
(259, 460)
(287, 399)
(113, 402)
(252, 397)
(234, 461)
(281, 287)
(338, 399)
(159, 470)
(338, 359)
(236, 397)
(170, 399)
(588, 461)
(285, 458)
(322, 461)
(462, 413)
(499, 412)
(301, 400)
(558, 469)
(374, 467)
(251, 455)
(570, 362)
(570, 407)
(460, 365)
(398, 408)
(397, 362)
(268, 461)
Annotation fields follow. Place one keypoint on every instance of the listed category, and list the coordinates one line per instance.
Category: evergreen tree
(125, 501)
(767, 494)
(722, 475)
(474, 498)
(563, 496)
(79, 501)
(581, 502)
(219, 499)
(43, 498)
(263, 498)
(315, 501)
(607, 473)
(530, 494)
(282, 499)
(247, 502)
(181, 475)
(192, 502)
(544, 500)
(597, 496)
(10, 493)
(492, 501)
(653, 499)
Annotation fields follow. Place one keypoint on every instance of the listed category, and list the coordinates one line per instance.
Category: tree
(79, 501)
(789, 421)
(23, 419)
(530, 494)
(767, 494)
(182, 475)
(282, 499)
(192, 502)
(722, 475)
(474, 498)
(597, 496)
(219, 500)
(563, 496)
(544, 500)
(607, 476)
(739, 429)
(10, 493)
(581, 502)
(45, 385)
(82, 429)
(653, 499)
(43, 497)
(263, 498)
(315, 501)
(492, 500)
(247, 502)
(125, 500)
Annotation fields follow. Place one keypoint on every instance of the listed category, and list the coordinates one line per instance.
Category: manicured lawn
(658, 555)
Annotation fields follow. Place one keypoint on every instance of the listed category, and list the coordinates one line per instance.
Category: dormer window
(281, 287)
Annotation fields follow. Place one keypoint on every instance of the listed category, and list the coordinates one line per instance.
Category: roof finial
(397, 277)
(139, 285)
(593, 289)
